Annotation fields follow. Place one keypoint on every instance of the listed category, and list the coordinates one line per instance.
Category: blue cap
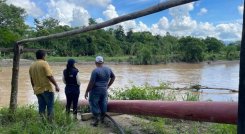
(71, 62)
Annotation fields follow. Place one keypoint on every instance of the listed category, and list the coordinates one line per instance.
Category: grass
(26, 120)
(157, 125)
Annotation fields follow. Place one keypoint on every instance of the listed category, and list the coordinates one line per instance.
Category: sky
(221, 19)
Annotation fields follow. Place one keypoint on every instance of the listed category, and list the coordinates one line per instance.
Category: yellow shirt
(39, 71)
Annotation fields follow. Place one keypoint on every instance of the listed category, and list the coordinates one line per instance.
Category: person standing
(101, 79)
(41, 78)
(72, 89)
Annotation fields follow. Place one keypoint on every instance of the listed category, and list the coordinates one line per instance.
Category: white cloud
(160, 27)
(229, 31)
(110, 12)
(80, 17)
(68, 13)
(183, 25)
(99, 20)
(163, 23)
(141, 27)
(30, 7)
(181, 10)
(205, 29)
(202, 11)
(182, 20)
(240, 9)
(127, 25)
(101, 3)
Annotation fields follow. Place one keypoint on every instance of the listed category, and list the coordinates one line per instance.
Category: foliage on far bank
(139, 47)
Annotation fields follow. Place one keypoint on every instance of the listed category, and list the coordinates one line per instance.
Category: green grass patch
(26, 120)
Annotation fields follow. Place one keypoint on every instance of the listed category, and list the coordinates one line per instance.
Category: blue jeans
(46, 100)
(98, 104)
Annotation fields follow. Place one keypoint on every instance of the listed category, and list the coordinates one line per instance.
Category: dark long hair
(69, 67)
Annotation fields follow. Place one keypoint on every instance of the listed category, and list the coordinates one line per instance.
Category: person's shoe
(95, 122)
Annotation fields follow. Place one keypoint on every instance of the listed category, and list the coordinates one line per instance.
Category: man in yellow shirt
(41, 79)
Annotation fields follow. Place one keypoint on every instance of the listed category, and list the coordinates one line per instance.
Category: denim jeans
(46, 100)
(98, 104)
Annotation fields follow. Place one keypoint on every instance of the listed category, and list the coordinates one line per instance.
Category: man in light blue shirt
(101, 79)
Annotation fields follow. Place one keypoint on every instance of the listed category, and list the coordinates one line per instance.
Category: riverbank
(90, 60)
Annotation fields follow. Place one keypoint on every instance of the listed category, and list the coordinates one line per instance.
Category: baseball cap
(71, 62)
(99, 59)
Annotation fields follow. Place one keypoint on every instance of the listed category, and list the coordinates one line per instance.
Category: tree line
(140, 47)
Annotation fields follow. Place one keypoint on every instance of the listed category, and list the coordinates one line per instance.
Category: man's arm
(90, 86)
(52, 80)
(32, 84)
(50, 76)
(111, 81)
(113, 77)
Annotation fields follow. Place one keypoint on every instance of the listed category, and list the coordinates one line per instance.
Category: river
(216, 75)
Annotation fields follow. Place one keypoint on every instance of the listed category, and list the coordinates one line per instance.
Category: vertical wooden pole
(15, 76)
(241, 96)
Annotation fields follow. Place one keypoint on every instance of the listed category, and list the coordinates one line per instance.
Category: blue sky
(217, 18)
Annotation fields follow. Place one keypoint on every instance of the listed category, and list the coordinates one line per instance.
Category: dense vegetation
(139, 47)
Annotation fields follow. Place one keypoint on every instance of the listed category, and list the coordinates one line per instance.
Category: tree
(231, 52)
(119, 33)
(129, 35)
(12, 25)
(213, 45)
(192, 49)
(91, 21)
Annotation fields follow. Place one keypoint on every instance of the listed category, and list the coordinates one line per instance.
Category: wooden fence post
(15, 77)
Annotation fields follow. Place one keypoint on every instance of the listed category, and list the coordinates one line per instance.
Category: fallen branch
(205, 87)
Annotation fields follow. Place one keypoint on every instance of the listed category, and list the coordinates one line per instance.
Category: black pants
(72, 95)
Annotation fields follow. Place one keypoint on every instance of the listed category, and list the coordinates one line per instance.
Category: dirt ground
(128, 123)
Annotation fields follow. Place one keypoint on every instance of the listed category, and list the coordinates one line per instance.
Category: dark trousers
(98, 104)
(46, 100)
(72, 96)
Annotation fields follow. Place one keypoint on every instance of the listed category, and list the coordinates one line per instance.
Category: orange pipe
(218, 112)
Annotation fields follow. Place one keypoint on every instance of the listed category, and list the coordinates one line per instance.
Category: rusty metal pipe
(218, 112)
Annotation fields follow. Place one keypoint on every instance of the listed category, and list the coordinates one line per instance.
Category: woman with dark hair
(72, 88)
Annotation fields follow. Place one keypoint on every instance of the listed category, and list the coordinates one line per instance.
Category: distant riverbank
(62, 60)
(90, 60)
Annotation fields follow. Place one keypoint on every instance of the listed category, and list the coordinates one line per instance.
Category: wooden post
(241, 95)
(15, 76)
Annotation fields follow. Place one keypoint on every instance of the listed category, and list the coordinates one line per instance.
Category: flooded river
(216, 75)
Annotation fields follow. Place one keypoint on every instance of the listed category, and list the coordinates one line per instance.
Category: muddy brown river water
(216, 74)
